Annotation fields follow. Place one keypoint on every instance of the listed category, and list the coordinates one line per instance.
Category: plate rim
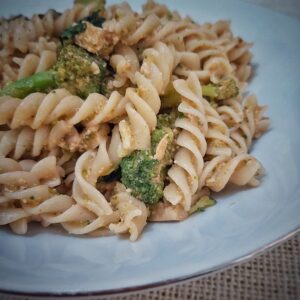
(179, 279)
(161, 283)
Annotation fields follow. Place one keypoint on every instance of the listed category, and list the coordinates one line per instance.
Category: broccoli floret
(143, 175)
(76, 70)
(222, 90)
(79, 72)
(162, 145)
(144, 171)
(167, 119)
(157, 136)
(225, 89)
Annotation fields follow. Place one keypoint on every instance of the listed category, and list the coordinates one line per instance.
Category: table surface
(273, 275)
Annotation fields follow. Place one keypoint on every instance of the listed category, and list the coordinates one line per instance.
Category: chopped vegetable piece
(39, 82)
(203, 203)
(225, 89)
(222, 90)
(142, 174)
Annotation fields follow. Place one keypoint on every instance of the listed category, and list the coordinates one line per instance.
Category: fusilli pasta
(161, 133)
(28, 65)
(16, 34)
(188, 161)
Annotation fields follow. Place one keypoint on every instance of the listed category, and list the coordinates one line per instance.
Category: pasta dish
(110, 118)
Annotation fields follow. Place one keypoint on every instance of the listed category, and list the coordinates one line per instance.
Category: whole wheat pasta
(170, 124)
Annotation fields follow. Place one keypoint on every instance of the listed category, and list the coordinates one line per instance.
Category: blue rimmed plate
(242, 224)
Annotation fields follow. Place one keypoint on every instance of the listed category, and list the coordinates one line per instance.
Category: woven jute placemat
(273, 275)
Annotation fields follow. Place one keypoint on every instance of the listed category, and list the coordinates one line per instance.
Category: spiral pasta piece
(120, 19)
(26, 141)
(79, 220)
(51, 205)
(128, 26)
(18, 142)
(240, 57)
(17, 174)
(40, 109)
(240, 170)
(153, 8)
(218, 138)
(33, 200)
(88, 168)
(214, 63)
(126, 63)
(252, 126)
(188, 161)
(41, 56)
(26, 184)
(28, 65)
(43, 44)
(175, 32)
(133, 215)
(231, 112)
(219, 141)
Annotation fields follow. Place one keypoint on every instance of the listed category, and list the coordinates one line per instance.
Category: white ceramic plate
(243, 223)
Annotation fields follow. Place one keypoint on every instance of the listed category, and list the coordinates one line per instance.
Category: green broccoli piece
(144, 171)
(163, 146)
(76, 70)
(143, 174)
(167, 119)
(222, 90)
(157, 136)
(80, 72)
(203, 203)
(225, 89)
(37, 83)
